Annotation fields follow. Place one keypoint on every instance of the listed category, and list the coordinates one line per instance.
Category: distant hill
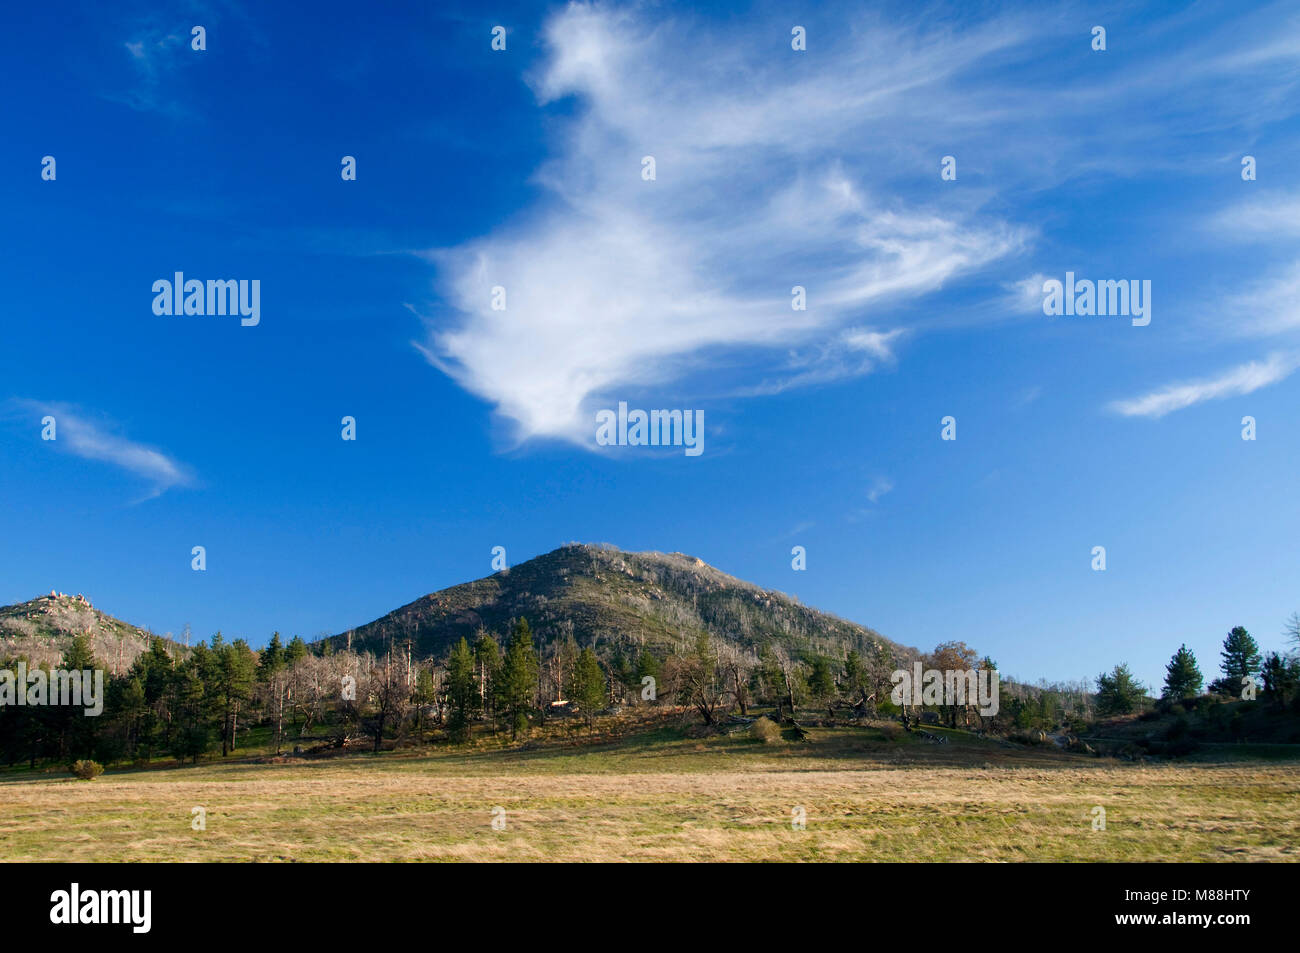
(42, 629)
(600, 594)
(608, 596)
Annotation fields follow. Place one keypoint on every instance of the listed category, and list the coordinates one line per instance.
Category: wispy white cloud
(879, 487)
(850, 353)
(153, 55)
(1276, 213)
(1270, 306)
(876, 490)
(101, 441)
(1025, 295)
(158, 51)
(1243, 379)
(776, 169)
(1028, 395)
(875, 344)
(622, 285)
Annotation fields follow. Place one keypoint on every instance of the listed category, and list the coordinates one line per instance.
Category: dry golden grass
(682, 800)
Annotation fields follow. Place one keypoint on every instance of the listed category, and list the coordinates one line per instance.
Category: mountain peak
(608, 597)
(41, 630)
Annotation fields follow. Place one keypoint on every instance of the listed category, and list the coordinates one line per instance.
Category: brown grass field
(661, 795)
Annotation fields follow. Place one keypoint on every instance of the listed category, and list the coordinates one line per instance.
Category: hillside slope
(611, 597)
(41, 629)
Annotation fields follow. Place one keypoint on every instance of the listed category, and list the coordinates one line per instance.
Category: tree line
(221, 697)
(1245, 673)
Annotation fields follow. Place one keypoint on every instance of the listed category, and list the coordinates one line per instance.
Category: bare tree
(789, 676)
(704, 681)
(389, 696)
(736, 665)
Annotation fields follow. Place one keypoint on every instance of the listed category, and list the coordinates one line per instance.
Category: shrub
(87, 770)
(766, 731)
(891, 731)
(1028, 737)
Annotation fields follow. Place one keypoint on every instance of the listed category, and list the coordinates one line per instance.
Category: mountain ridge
(607, 596)
(601, 595)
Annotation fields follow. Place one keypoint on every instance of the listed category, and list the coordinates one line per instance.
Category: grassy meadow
(657, 793)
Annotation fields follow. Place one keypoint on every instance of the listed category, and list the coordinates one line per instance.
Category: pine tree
(75, 732)
(133, 712)
(189, 698)
(519, 678)
(821, 683)
(296, 649)
(1182, 676)
(78, 655)
(855, 676)
(271, 659)
(621, 669)
(587, 684)
(1281, 677)
(157, 673)
(230, 681)
(463, 697)
(1119, 692)
(647, 666)
(1241, 658)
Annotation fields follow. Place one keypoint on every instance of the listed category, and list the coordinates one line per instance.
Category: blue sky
(522, 169)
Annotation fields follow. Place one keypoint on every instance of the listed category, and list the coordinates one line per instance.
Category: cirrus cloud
(1243, 379)
(100, 440)
(617, 285)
